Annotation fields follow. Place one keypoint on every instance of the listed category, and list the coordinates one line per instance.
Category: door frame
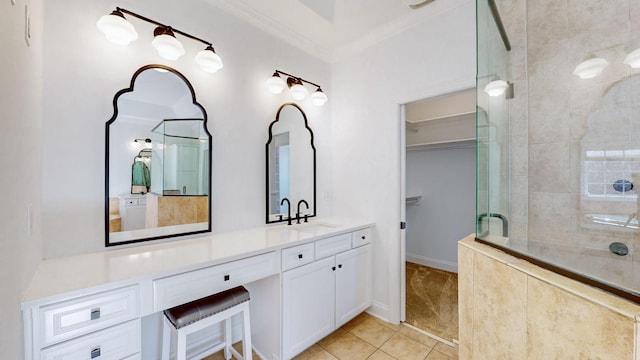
(398, 301)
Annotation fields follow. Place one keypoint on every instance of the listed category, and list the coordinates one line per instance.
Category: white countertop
(79, 273)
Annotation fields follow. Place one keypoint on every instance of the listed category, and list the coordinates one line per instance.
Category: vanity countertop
(124, 266)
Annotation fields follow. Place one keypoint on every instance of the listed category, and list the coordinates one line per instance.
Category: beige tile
(418, 336)
(372, 332)
(437, 355)
(402, 347)
(499, 311)
(350, 347)
(389, 325)
(549, 168)
(310, 352)
(380, 355)
(587, 330)
(322, 355)
(331, 338)
(355, 321)
(451, 351)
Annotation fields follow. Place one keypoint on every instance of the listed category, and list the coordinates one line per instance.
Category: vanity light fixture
(119, 30)
(146, 143)
(590, 68)
(496, 88)
(297, 90)
(633, 59)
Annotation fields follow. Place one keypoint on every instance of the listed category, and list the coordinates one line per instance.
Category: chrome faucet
(288, 209)
(298, 212)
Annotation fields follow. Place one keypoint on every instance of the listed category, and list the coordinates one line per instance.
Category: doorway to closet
(440, 199)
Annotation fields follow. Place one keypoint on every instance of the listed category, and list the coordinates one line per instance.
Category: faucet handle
(305, 218)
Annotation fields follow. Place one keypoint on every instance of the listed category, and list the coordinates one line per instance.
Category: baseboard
(379, 310)
(434, 263)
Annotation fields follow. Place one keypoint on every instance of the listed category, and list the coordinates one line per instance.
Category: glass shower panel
(559, 152)
(492, 130)
(181, 151)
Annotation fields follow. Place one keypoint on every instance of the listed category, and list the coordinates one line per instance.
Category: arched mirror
(291, 166)
(164, 191)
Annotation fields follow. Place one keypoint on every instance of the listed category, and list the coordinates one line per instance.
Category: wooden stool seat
(199, 314)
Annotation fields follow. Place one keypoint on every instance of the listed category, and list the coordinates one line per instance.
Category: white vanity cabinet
(323, 295)
(102, 325)
(104, 305)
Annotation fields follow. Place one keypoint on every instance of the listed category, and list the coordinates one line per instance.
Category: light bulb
(275, 84)
(166, 44)
(298, 92)
(116, 28)
(590, 68)
(633, 59)
(318, 98)
(496, 87)
(208, 60)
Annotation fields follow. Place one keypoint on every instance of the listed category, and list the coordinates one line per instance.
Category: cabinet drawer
(297, 255)
(183, 288)
(361, 237)
(333, 245)
(117, 342)
(67, 319)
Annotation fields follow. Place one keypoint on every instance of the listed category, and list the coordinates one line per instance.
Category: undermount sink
(313, 227)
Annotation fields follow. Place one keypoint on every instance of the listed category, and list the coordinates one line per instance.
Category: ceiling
(332, 29)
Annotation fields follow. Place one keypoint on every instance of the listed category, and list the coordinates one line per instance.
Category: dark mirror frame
(106, 168)
(306, 125)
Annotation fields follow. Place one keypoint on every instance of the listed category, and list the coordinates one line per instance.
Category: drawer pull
(227, 277)
(300, 256)
(363, 237)
(95, 352)
(95, 314)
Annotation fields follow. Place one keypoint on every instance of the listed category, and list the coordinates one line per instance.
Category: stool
(199, 314)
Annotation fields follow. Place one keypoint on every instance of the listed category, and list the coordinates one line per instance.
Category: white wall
(20, 160)
(83, 71)
(433, 58)
(446, 180)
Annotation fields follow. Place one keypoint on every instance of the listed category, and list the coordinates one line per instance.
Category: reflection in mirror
(164, 192)
(291, 166)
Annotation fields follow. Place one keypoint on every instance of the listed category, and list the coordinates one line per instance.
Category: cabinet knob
(227, 277)
(363, 237)
(300, 256)
(340, 266)
(95, 314)
(95, 352)
(333, 268)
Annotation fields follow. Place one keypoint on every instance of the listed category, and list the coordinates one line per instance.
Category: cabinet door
(353, 283)
(308, 295)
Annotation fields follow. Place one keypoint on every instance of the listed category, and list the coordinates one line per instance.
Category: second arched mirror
(164, 191)
(290, 167)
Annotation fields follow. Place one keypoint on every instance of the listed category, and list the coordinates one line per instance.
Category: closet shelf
(449, 144)
(414, 200)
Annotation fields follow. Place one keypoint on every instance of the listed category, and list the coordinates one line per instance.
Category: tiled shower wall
(572, 138)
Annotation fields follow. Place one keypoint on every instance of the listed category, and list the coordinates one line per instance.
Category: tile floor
(367, 337)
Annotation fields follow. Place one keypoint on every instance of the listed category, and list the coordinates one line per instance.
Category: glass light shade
(208, 60)
(275, 84)
(633, 59)
(318, 98)
(117, 29)
(496, 87)
(298, 92)
(168, 46)
(590, 68)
